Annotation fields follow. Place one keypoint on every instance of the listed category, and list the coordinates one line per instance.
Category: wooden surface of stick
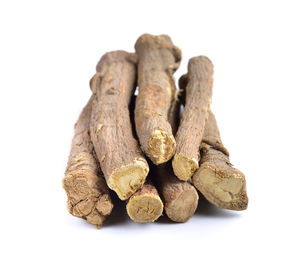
(158, 59)
(216, 179)
(198, 93)
(122, 162)
(88, 194)
(145, 205)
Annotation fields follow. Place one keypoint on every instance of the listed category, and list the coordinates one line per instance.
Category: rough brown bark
(158, 59)
(198, 93)
(122, 162)
(173, 115)
(145, 205)
(88, 194)
(220, 183)
(180, 198)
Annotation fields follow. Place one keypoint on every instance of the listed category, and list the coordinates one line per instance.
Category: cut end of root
(184, 207)
(224, 187)
(104, 205)
(76, 186)
(144, 208)
(86, 202)
(96, 219)
(161, 147)
(126, 180)
(184, 167)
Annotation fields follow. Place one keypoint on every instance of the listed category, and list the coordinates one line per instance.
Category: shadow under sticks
(118, 215)
(164, 219)
(206, 209)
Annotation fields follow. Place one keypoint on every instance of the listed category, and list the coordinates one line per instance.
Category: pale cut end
(161, 147)
(183, 208)
(127, 179)
(224, 187)
(184, 167)
(144, 208)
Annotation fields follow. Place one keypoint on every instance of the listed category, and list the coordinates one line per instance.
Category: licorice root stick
(220, 183)
(88, 194)
(122, 161)
(198, 93)
(158, 59)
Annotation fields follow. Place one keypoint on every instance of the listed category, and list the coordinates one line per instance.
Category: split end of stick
(127, 179)
(161, 146)
(223, 186)
(85, 201)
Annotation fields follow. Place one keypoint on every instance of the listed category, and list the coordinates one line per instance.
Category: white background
(48, 53)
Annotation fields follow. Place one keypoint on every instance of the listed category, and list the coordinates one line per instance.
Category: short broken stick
(122, 162)
(198, 93)
(145, 205)
(158, 59)
(220, 183)
(88, 194)
(180, 198)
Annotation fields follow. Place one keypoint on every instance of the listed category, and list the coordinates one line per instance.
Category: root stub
(224, 187)
(184, 167)
(180, 198)
(161, 146)
(127, 179)
(184, 206)
(95, 219)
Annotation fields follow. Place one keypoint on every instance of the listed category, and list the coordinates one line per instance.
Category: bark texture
(88, 194)
(158, 59)
(220, 183)
(198, 93)
(145, 205)
(180, 198)
(122, 162)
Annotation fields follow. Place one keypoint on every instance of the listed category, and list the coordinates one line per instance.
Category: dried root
(158, 59)
(122, 162)
(221, 184)
(88, 194)
(180, 198)
(198, 92)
